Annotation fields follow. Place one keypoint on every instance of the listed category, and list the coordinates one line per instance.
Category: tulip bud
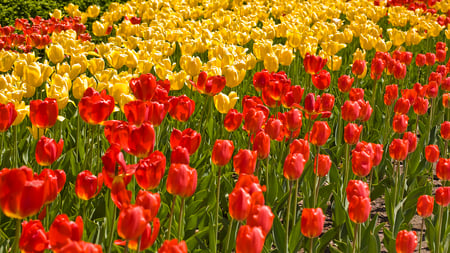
(432, 153)
(320, 133)
(249, 239)
(324, 165)
(425, 206)
(293, 166)
(352, 133)
(312, 222)
(443, 196)
(359, 209)
(222, 152)
(406, 242)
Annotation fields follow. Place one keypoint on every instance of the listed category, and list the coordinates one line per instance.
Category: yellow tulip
(334, 63)
(36, 73)
(93, 11)
(80, 85)
(188, 48)
(56, 14)
(434, 29)
(396, 36)
(383, 46)
(271, 63)
(117, 59)
(144, 66)
(233, 76)
(19, 67)
(55, 53)
(71, 9)
(447, 32)
(359, 55)
(366, 42)
(96, 65)
(80, 59)
(177, 80)
(7, 59)
(284, 55)
(99, 29)
(125, 99)
(332, 47)
(60, 93)
(225, 103)
(28, 90)
(132, 60)
(22, 111)
(307, 48)
(35, 131)
(118, 88)
(261, 49)
(250, 61)
(61, 81)
(191, 65)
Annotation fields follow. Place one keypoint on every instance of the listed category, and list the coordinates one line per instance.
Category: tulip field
(227, 126)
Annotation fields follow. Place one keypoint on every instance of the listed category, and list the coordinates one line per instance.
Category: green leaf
(279, 235)
(326, 238)
(295, 237)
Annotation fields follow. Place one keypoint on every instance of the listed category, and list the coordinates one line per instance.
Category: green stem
(217, 208)
(371, 179)
(111, 232)
(374, 93)
(445, 149)
(230, 229)
(138, 249)
(16, 153)
(431, 117)
(267, 176)
(15, 247)
(439, 228)
(311, 243)
(295, 201)
(417, 124)
(396, 172)
(420, 236)
(126, 247)
(347, 163)
(170, 217)
(180, 223)
(288, 216)
(316, 178)
(355, 238)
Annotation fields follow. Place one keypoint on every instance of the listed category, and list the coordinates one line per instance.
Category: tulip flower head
(312, 222)
(432, 153)
(245, 161)
(43, 114)
(8, 114)
(425, 206)
(293, 166)
(173, 246)
(222, 152)
(182, 180)
(33, 238)
(95, 107)
(48, 151)
(320, 133)
(249, 239)
(443, 196)
(406, 241)
(87, 185)
(189, 139)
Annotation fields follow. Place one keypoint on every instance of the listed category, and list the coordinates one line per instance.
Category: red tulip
(443, 196)
(313, 64)
(21, 195)
(324, 165)
(233, 120)
(293, 166)
(254, 120)
(320, 133)
(398, 150)
(312, 222)
(362, 162)
(446, 83)
(358, 67)
(431, 89)
(54, 181)
(48, 151)
(117, 133)
(376, 68)
(400, 123)
(43, 114)
(113, 164)
(292, 95)
(34, 238)
(222, 152)
(261, 144)
(136, 112)
(432, 153)
(412, 141)
(147, 238)
(377, 154)
(245, 161)
(321, 80)
(132, 222)
(359, 209)
(63, 231)
(399, 70)
(261, 216)
(345, 83)
(119, 193)
(249, 240)
(173, 246)
(261, 79)
(420, 105)
(143, 87)
(445, 130)
(80, 247)
(141, 140)
(239, 204)
(293, 119)
(402, 106)
(356, 94)
(326, 103)
(181, 108)
(430, 59)
(443, 169)
(352, 133)
(156, 113)
(420, 60)
(87, 185)
(273, 128)
(425, 206)
(391, 94)
(446, 100)
(300, 146)
(95, 107)
(406, 241)
(210, 85)
(350, 110)
(151, 202)
(180, 155)
(182, 180)
(150, 170)
(8, 114)
(357, 188)
(189, 139)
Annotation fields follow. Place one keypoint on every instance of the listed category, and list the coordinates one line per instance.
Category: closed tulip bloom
(390, 94)
(63, 231)
(432, 153)
(312, 222)
(150, 170)
(48, 151)
(351, 133)
(87, 185)
(350, 110)
(420, 105)
(150, 202)
(420, 60)
(225, 103)
(182, 180)
(402, 106)
(357, 188)
(261, 79)
(443, 169)
(300, 146)
(431, 89)
(441, 55)
(359, 209)
(173, 246)
(400, 123)
(406, 241)
(446, 84)
(345, 83)
(136, 112)
(425, 206)
(358, 67)
(141, 140)
(43, 114)
(132, 222)
(210, 85)
(222, 152)
(95, 107)
(445, 130)
(377, 68)
(249, 240)
(320, 133)
(189, 139)
(446, 100)
(293, 119)
(356, 94)
(54, 181)
(443, 196)
(181, 108)
(326, 102)
(146, 240)
(377, 153)
(292, 95)
(310, 102)
(273, 128)
(293, 166)
(324, 165)
(55, 53)
(144, 86)
(261, 216)
(412, 141)
(156, 113)
(398, 149)
(430, 59)
(8, 114)
(180, 155)
(254, 120)
(399, 70)
(362, 162)
(261, 144)
(321, 80)
(33, 238)
(239, 204)
(22, 195)
(233, 120)
(245, 161)
(313, 64)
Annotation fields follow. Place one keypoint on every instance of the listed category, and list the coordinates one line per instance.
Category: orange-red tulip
(445, 130)
(43, 114)
(132, 222)
(313, 64)
(245, 161)
(156, 113)
(412, 141)
(356, 94)
(48, 151)
(300, 146)
(312, 222)
(293, 166)
(376, 68)
(432, 153)
(147, 238)
(95, 107)
(239, 204)
(136, 112)
(210, 85)
(443, 196)
(398, 149)
(293, 119)
(261, 143)
(406, 241)
(391, 94)
(87, 185)
(350, 110)
(150, 170)
(261, 79)
(181, 108)
(358, 67)
(254, 120)
(222, 152)
(151, 202)
(324, 165)
(119, 193)
(8, 114)
(320, 133)
(34, 238)
(173, 246)
(420, 60)
(402, 106)
(430, 59)
(144, 86)
(420, 105)
(261, 216)
(80, 247)
(180, 155)
(359, 209)
(443, 169)
(233, 120)
(182, 180)
(357, 188)
(249, 240)
(362, 162)
(425, 206)
(273, 128)
(189, 139)
(141, 140)
(63, 231)
(321, 80)
(345, 83)
(400, 123)
(54, 181)
(351, 133)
